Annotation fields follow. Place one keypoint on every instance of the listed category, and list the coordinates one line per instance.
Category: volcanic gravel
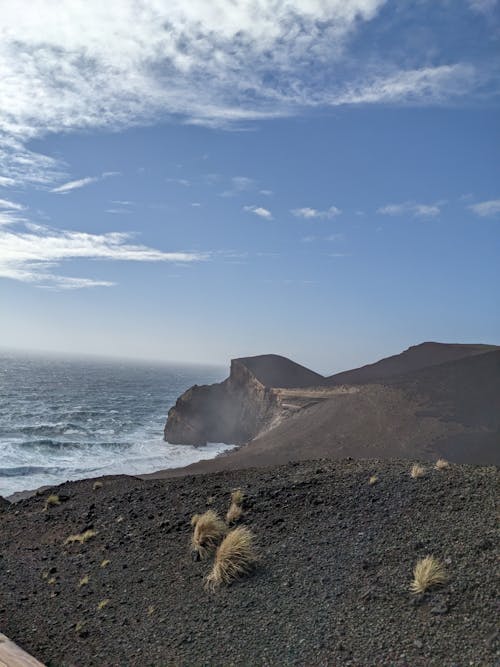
(331, 587)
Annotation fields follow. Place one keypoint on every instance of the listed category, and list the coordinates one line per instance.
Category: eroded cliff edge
(239, 408)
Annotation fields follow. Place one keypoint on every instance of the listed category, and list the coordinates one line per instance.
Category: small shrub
(417, 471)
(235, 557)
(97, 485)
(81, 538)
(428, 572)
(51, 501)
(209, 530)
(373, 480)
(442, 464)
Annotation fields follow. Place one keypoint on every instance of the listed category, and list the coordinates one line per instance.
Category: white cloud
(486, 208)
(117, 63)
(179, 181)
(411, 208)
(81, 183)
(239, 184)
(10, 205)
(266, 193)
(74, 185)
(313, 213)
(483, 6)
(33, 255)
(260, 211)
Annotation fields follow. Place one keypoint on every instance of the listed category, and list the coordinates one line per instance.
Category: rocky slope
(235, 410)
(450, 409)
(331, 588)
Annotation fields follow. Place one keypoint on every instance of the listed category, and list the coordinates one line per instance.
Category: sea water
(63, 419)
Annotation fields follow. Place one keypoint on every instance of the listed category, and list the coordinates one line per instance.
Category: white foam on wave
(40, 468)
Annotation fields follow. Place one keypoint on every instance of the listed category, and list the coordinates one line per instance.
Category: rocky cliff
(236, 410)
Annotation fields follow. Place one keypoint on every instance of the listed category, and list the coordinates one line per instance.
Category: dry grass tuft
(194, 519)
(373, 480)
(151, 610)
(417, 471)
(237, 497)
(103, 603)
(209, 530)
(235, 510)
(84, 581)
(234, 513)
(428, 572)
(234, 558)
(97, 485)
(51, 581)
(81, 538)
(441, 464)
(79, 626)
(105, 562)
(51, 500)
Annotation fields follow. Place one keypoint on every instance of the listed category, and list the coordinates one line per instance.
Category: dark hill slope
(332, 587)
(450, 410)
(272, 370)
(412, 359)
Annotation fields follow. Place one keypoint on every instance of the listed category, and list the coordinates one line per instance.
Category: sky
(201, 181)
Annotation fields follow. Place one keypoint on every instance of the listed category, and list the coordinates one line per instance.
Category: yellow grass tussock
(51, 500)
(194, 519)
(417, 471)
(373, 480)
(103, 603)
(428, 572)
(105, 562)
(235, 557)
(234, 513)
(209, 530)
(97, 485)
(237, 497)
(83, 581)
(81, 538)
(442, 464)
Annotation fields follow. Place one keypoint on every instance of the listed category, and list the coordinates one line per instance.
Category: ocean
(64, 419)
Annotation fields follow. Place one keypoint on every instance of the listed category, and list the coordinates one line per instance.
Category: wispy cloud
(179, 181)
(32, 255)
(486, 208)
(81, 183)
(260, 211)
(114, 64)
(483, 6)
(266, 193)
(239, 184)
(10, 205)
(313, 213)
(411, 208)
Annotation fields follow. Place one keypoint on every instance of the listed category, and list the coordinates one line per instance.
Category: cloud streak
(308, 213)
(81, 183)
(486, 208)
(411, 208)
(259, 211)
(33, 254)
(115, 64)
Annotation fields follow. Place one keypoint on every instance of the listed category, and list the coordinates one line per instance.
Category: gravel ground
(332, 586)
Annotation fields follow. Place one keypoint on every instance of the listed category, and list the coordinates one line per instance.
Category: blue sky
(313, 178)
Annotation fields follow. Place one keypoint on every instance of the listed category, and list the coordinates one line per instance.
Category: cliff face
(233, 411)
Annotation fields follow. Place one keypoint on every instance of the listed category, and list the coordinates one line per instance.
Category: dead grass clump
(235, 557)
(417, 471)
(83, 581)
(97, 485)
(428, 572)
(441, 464)
(105, 562)
(194, 519)
(373, 480)
(103, 603)
(237, 497)
(209, 530)
(51, 500)
(234, 513)
(81, 538)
